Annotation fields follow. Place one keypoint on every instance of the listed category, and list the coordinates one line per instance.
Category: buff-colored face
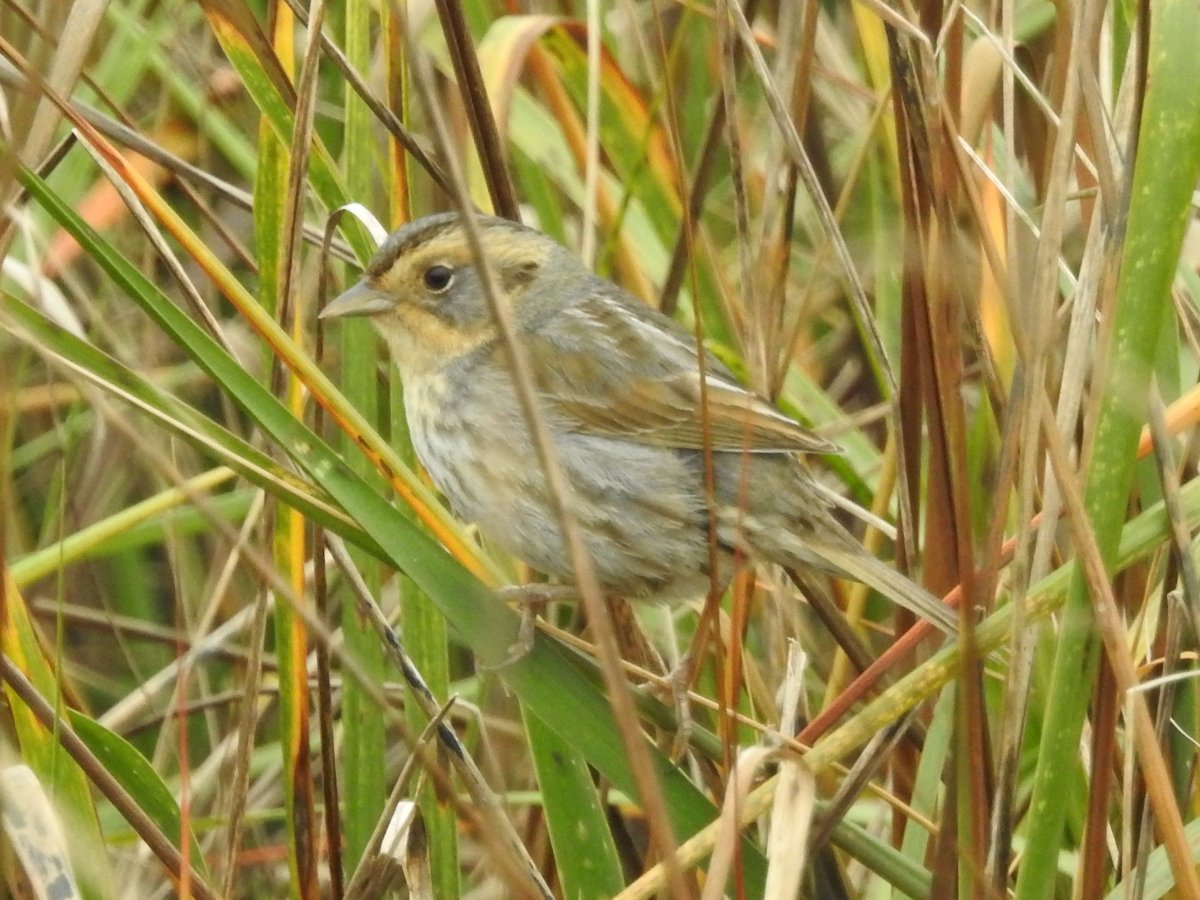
(423, 288)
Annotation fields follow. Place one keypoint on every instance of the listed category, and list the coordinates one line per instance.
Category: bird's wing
(609, 365)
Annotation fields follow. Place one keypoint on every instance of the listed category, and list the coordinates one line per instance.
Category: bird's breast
(471, 440)
(438, 428)
(640, 508)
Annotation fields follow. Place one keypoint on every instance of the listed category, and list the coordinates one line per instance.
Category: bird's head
(424, 292)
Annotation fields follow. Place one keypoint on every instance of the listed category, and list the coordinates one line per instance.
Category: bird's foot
(678, 680)
(537, 594)
(531, 599)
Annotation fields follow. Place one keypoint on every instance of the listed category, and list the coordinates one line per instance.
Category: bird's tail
(834, 550)
(873, 572)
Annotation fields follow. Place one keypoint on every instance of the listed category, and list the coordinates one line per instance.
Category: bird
(656, 483)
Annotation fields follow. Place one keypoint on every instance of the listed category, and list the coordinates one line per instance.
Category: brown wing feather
(636, 376)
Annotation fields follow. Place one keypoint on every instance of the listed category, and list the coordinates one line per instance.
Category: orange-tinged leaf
(504, 54)
(240, 34)
(102, 206)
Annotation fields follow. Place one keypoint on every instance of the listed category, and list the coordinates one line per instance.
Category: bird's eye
(438, 278)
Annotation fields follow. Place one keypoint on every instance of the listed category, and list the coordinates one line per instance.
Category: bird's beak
(360, 300)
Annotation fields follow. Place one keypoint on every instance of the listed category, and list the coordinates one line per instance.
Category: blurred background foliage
(955, 238)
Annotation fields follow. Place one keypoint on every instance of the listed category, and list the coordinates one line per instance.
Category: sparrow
(620, 388)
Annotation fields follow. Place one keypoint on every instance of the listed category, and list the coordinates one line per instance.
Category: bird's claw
(530, 599)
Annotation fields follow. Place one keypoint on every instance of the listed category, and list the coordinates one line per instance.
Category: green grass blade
(584, 851)
(1164, 177)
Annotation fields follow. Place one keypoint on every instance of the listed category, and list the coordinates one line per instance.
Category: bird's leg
(636, 648)
(531, 599)
(679, 679)
(534, 594)
(686, 669)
